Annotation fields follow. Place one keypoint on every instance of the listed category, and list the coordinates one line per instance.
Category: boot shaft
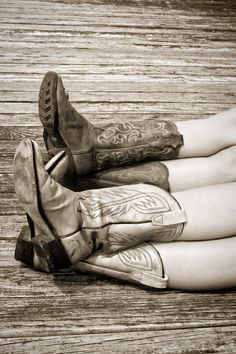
(96, 148)
(122, 144)
(120, 217)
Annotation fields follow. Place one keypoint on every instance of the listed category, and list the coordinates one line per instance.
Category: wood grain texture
(120, 60)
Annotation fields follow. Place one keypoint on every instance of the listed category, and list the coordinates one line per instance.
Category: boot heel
(51, 253)
(24, 248)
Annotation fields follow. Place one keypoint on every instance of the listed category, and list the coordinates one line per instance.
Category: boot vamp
(142, 258)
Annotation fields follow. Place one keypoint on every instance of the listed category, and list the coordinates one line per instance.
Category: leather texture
(96, 148)
(111, 218)
(46, 201)
(152, 172)
(141, 264)
(121, 217)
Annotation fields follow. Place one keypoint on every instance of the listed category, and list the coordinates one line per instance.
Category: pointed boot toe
(141, 264)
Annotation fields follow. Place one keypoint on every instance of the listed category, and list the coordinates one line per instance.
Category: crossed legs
(203, 205)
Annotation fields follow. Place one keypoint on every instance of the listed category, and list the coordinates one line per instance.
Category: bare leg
(198, 172)
(211, 209)
(183, 173)
(204, 137)
(211, 212)
(123, 143)
(199, 265)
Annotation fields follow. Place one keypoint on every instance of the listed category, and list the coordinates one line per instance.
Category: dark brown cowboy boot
(76, 223)
(153, 172)
(96, 148)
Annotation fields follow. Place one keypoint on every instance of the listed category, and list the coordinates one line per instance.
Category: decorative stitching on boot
(127, 142)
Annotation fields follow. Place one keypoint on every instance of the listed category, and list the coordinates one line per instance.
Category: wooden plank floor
(119, 60)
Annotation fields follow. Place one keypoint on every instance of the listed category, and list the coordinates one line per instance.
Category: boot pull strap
(170, 218)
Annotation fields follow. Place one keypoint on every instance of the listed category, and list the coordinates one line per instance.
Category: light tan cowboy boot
(57, 167)
(52, 210)
(96, 148)
(141, 264)
(78, 223)
(24, 250)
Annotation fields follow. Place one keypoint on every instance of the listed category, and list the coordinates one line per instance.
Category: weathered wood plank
(114, 97)
(120, 60)
(177, 67)
(113, 107)
(163, 36)
(129, 342)
(168, 342)
(139, 83)
(10, 226)
(95, 297)
(98, 118)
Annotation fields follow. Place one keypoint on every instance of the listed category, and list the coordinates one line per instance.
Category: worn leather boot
(78, 223)
(141, 264)
(56, 223)
(24, 250)
(96, 148)
(57, 167)
(153, 172)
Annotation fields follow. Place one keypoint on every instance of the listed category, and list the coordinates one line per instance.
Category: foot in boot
(111, 219)
(140, 264)
(94, 148)
(64, 127)
(52, 207)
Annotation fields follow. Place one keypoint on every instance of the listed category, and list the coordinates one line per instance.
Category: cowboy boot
(24, 250)
(78, 223)
(54, 221)
(95, 148)
(152, 172)
(149, 172)
(141, 264)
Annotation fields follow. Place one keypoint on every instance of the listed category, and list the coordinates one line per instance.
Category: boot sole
(48, 247)
(48, 111)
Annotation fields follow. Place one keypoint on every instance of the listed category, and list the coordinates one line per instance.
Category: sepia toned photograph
(118, 176)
